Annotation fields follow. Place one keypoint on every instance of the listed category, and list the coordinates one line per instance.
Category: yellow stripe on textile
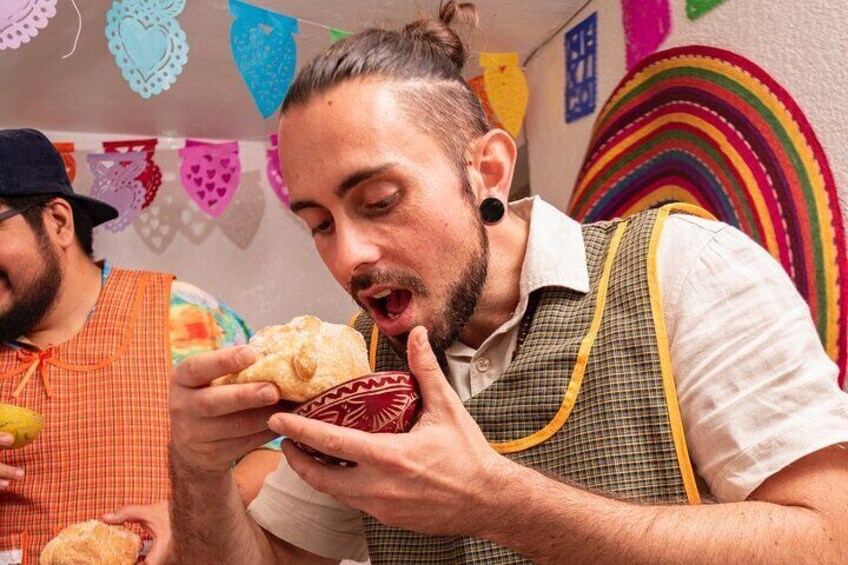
(580, 366)
(677, 431)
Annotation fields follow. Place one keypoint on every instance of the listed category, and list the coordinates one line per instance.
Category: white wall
(279, 275)
(267, 269)
(803, 45)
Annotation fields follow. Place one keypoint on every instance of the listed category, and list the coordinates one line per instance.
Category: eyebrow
(347, 184)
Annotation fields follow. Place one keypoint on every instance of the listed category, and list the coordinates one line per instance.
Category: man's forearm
(209, 520)
(547, 521)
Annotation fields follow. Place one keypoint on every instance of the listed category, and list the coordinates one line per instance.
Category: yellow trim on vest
(352, 321)
(582, 360)
(686, 208)
(685, 464)
(372, 343)
(375, 340)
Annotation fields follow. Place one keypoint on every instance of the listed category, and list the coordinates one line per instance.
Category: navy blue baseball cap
(30, 165)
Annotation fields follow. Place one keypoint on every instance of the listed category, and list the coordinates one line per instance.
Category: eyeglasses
(15, 211)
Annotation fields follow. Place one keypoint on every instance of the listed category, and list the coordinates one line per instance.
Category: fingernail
(7, 439)
(246, 356)
(108, 516)
(19, 474)
(269, 394)
(275, 420)
(4, 484)
(422, 337)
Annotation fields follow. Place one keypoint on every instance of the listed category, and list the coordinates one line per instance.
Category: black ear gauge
(492, 211)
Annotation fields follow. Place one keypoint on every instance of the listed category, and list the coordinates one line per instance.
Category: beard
(31, 300)
(462, 297)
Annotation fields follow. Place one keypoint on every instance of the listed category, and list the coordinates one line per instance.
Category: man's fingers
(236, 448)
(9, 473)
(329, 479)
(159, 553)
(435, 390)
(6, 440)
(353, 445)
(241, 424)
(155, 521)
(201, 369)
(230, 399)
(140, 514)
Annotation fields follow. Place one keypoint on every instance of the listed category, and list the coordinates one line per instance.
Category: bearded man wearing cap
(90, 348)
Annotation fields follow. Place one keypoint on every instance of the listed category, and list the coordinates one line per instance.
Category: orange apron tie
(37, 361)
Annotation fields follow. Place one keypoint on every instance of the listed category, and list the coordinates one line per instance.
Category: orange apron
(104, 398)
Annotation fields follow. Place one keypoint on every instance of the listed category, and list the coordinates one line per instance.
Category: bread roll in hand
(92, 543)
(304, 358)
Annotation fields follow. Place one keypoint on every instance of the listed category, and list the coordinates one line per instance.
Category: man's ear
(59, 223)
(492, 165)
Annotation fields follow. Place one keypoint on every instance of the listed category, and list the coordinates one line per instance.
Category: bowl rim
(299, 408)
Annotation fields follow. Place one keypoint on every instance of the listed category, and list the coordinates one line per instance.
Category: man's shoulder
(695, 224)
(681, 231)
(684, 235)
(108, 270)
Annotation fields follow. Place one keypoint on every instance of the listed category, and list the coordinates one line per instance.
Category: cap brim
(99, 211)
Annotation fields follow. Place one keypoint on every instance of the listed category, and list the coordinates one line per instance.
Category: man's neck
(501, 293)
(76, 299)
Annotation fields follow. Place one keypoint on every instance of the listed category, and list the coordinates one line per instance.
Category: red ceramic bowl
(386, 402)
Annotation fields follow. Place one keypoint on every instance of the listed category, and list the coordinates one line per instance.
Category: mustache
(404, 279)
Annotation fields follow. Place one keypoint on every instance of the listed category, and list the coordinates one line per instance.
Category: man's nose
(356, 250)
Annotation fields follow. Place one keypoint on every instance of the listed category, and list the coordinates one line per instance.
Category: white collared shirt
(755, 387)
(553, 237)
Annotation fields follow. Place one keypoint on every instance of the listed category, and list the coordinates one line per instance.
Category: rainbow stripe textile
(705, 126)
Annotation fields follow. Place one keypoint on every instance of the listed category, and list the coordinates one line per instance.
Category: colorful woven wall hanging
(708, 127)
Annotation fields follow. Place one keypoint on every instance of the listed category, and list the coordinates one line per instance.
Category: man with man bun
(584, 387)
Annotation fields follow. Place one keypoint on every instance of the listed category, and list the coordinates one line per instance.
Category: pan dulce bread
(304, 358)
(92, 543)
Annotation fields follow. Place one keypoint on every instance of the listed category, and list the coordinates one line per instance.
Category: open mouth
(391, 303)
(391, 308)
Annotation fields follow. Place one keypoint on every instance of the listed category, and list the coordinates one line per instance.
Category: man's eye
(385, 203)
(323, 227)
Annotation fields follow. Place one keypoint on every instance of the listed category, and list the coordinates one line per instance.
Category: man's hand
(211, 427)
(439, 478)
(7, 472)
(156, 522)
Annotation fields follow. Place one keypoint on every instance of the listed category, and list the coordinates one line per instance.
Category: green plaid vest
(610, 423)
